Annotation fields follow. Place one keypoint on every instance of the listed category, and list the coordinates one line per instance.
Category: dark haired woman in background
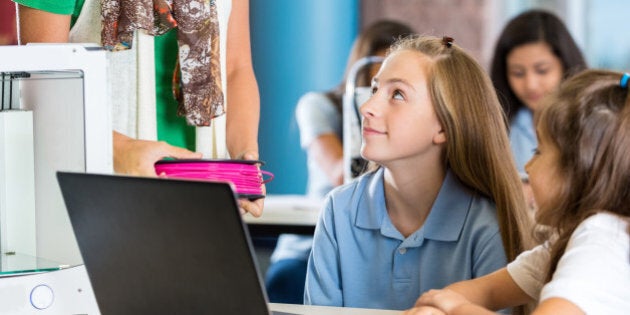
(534, 53)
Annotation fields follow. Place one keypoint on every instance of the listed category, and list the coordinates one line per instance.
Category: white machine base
(66, 291)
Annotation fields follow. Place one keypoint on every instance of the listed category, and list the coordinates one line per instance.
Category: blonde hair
(477, 147)
(588, 120)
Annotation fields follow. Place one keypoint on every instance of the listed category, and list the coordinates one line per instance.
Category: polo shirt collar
(371, 210)
(444, 223)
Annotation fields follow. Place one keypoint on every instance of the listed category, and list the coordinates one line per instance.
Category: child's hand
(445, 300)
(424, 310)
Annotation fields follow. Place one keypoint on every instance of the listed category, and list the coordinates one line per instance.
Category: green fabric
(170, 127)
(77, 11)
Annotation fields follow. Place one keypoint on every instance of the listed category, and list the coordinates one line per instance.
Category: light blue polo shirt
(359, 259)
(523, 137)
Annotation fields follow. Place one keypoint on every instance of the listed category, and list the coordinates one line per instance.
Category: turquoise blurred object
(297, 47)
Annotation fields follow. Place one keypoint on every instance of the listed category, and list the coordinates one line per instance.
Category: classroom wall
(8, 33)
(474, 24)
(297, 46)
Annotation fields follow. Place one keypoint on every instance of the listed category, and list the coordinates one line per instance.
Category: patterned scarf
(197, 77)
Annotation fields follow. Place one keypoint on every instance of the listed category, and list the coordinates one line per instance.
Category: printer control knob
(42, 297)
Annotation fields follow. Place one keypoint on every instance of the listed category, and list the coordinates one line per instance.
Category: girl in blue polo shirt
(444, 203)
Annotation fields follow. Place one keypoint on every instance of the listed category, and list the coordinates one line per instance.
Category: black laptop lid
(161, 246)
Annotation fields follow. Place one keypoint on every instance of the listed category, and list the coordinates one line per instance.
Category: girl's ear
(439, 137)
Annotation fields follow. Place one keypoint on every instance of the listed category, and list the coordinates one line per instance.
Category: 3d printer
(54, 115)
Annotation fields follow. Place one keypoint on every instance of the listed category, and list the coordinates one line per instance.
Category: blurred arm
(474, 297)
(243, 109)
(494, 291)
(327, 151)
(37, 26)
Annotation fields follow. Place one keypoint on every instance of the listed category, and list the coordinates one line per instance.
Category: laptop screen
(158, 246)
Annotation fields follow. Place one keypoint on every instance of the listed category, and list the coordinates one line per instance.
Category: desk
(296, 214)
(327, 310)
(73, 294)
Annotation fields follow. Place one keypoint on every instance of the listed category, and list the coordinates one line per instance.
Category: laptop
(163, 246)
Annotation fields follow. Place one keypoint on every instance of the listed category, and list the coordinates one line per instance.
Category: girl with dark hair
(580, 175)
(533, 54)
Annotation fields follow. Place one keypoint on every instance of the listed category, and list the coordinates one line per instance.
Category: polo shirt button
(402, 251)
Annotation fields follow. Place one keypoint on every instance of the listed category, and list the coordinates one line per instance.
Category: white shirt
(593, 273)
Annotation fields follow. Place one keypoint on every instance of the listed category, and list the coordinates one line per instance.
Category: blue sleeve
(489, 256)
(316, 115)
(523, 138)
(323, 279)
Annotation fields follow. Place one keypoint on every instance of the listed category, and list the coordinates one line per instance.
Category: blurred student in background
(533, 55)
(319, 117)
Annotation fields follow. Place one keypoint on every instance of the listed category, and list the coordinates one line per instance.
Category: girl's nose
(531, 81)
(528, 165)
(368, 109)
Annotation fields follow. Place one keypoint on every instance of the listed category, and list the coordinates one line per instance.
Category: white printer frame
(67, 97)
(352, 117)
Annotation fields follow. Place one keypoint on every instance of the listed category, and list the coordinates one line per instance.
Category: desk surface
(288, 210)
(327, 310)
(286, 214)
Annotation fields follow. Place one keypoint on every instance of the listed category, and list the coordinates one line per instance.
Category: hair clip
(447, 41)
(624, 80)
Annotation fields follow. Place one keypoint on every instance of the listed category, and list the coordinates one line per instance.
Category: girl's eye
(542, 71)
(517, 74)
(374, 89)
(398, 95)
(536, 151)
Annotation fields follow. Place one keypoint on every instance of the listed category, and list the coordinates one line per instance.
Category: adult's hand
(254, 207)
(137, 157)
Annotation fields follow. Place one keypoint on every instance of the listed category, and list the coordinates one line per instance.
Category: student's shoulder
(479, 205)
(348, 195)
(314, 97)
(347, 203)
(483, 204)
(605, 219)
(603, 226)
(314, 103)
(483, 213)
